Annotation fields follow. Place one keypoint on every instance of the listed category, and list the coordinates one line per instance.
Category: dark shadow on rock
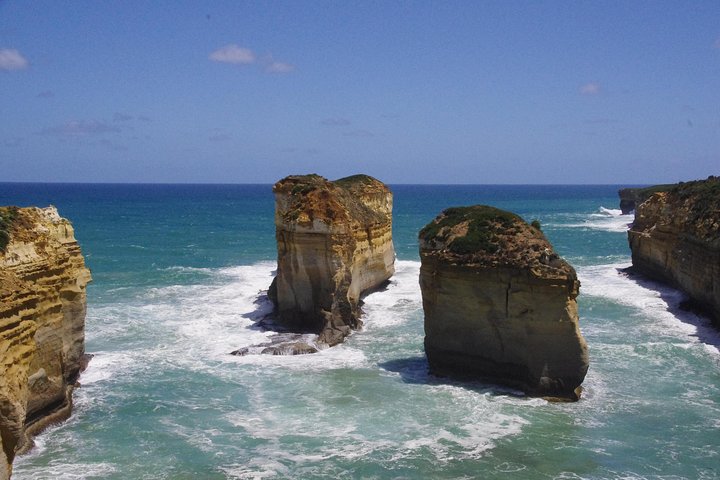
(681, 306)
(415, 370)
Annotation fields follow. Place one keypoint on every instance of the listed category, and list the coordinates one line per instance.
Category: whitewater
(162, 397)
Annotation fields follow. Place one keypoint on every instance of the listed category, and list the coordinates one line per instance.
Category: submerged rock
(334, 243)
(675, 238)
(42, 320)
(500, 304)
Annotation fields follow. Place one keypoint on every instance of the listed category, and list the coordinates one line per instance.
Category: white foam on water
(395, 304)
(67, 471)
(104, 365)
(607, 219)
(650, 300)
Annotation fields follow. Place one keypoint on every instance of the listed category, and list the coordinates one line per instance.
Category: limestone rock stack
(500, 304)
(334, 243)
(675, 238)
(42, 319)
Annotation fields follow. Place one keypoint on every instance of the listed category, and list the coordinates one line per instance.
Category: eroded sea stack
(42, 324)
(500, 304)
(675, 238)
(334, 244)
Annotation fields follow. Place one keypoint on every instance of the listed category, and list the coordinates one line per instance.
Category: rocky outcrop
(630, 198)
(675, 238)
(334, 244)
(42, 319)
(500, 304)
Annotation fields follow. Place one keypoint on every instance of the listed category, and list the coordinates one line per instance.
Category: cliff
(675, 238)
(631, 198)
(500, 304)
(42, 318)
(334, 243)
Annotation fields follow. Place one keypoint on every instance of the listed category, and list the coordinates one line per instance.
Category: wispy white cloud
(279, 67)
(233, 54)
(591, 88)
(335, 122)
(11, 59)
(80, 128)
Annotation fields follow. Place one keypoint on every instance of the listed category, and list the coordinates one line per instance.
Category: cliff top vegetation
(8, 215)
(485, 235)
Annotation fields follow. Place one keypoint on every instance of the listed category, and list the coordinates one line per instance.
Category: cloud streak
(233, 54)
(237, 55)
(591, 88)
(11, 59)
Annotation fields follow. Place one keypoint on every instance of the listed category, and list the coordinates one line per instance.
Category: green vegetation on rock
(483, 223)
(7, 217)
(354, 179)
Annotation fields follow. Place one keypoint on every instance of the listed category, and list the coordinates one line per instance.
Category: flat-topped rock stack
(334, 241)
(500, 304)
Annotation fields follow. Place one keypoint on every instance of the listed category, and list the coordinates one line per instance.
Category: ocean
(180, 273)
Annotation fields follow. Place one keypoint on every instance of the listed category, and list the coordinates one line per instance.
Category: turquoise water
(179, 273)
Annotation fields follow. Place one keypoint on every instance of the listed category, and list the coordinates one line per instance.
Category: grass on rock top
(7, 217)
(482, 224)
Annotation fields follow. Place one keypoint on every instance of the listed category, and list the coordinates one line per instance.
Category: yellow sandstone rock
(675, 238)
(334, 244)
(500, 304)
(42, 320)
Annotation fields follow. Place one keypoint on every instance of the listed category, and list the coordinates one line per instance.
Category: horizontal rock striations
(334, 243)
(675, 238)
(500, 304)
(42, 319)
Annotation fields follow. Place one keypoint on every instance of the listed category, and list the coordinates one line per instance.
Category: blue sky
(410, 92)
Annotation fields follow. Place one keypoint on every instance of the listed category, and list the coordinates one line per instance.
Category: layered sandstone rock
(631, 198)
(675, 238)
(334, 244)
(42, 318)
(500, 304)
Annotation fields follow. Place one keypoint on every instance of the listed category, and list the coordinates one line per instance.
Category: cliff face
(42, 319)
(631, 198)
(334, 244)
(675, 238)
(499, 304)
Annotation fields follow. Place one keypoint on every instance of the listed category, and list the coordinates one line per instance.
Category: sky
(471, 92)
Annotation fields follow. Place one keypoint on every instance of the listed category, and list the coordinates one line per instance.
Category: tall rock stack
(675, 238)
(42, 320)
(334, 241)
(500, 304)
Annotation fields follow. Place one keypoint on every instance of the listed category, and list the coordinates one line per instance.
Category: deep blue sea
(180, 273)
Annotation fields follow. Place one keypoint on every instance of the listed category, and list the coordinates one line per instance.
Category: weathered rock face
(42, 319)
(499, 304)
(334, 244)
(675, 238)
(630, 198)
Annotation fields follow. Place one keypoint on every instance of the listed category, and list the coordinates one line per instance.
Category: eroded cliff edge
(42, 324)
(675, 238)
(334, 241)
(500, 304)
